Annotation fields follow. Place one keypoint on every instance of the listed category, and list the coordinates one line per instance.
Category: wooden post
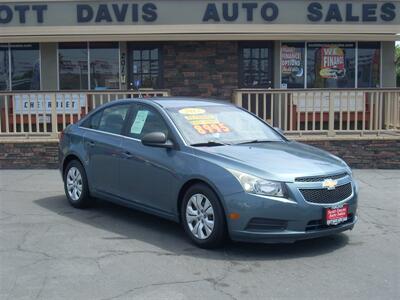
(331, 125)
(54, 121)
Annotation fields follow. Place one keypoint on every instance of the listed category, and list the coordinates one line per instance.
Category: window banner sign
(41, 103)
(291, 61)
(332, 62)
(331, 65)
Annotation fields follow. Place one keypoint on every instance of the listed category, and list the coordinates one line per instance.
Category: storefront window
(146, 66)
(330, 65)
(104, 66)
(25, 67)
(4, 68)
(368, 64)
(292, 65)
(73, 66)
(256, 65)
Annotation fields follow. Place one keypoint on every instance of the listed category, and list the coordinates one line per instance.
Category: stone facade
(28, 155)
(201, 69)
(363, 154)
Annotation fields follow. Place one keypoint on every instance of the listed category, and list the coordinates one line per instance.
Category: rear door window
(113, 118)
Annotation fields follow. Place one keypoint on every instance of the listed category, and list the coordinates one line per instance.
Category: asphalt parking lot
(49, 250)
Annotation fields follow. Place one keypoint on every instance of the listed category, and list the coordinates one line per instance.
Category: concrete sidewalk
(49, 250)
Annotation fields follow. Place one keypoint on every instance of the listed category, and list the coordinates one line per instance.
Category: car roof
(174, 102)
(169, 102)
(163, 102)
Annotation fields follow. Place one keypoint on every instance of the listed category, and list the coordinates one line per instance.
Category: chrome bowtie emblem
(330, 184)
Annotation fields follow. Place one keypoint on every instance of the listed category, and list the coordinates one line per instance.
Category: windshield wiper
(255, 142)
(208, 144)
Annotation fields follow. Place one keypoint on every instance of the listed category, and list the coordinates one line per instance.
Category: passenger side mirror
(157, 139)
(279, 130)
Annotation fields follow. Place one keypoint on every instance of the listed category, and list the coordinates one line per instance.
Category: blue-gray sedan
(215, 168)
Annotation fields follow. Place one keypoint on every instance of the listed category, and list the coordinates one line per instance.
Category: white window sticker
(140, 119)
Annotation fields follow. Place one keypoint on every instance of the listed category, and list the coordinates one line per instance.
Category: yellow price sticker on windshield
(203, 122)
(211, 128)
(191, 111)
(202, 119)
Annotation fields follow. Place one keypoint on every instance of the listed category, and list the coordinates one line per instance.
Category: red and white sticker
(336, 215)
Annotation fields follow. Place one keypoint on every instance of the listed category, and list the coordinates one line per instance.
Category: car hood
(281, 161)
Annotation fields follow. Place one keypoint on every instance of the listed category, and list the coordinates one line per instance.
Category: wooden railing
(328, 112)
(298, 112)
(45, 114)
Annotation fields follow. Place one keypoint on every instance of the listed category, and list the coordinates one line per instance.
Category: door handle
(91, 143)
(127, 154)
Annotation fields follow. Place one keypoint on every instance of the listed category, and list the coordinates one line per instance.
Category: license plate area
(336, 214)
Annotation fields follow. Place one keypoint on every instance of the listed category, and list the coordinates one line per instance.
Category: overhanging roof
(200, 32)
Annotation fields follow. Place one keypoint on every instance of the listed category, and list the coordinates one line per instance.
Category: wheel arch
(190, 183)
(70, 157)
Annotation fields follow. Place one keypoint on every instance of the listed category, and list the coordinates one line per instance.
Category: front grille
(320, 178)
(325, 196)
(320, 224)
(262, 224)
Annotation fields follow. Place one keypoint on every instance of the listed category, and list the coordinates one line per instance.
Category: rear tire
(203, 217)
(76, 186)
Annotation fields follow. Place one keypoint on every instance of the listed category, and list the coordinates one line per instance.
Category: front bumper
(288, 236)
(298, 218)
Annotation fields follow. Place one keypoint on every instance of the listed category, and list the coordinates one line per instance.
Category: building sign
(70, 13)
(39, 103)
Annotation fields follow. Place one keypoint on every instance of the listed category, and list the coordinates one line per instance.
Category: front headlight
(350, 171)
(259, 186)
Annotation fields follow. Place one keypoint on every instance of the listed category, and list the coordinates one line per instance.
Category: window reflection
(368, 64)
(4, 68)
(25, 67)
(73, 65)
(104, 66)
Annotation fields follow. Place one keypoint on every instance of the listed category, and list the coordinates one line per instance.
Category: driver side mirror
(157, 139)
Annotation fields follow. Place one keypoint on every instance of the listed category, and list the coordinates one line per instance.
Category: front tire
(76, 186)
(203, 217)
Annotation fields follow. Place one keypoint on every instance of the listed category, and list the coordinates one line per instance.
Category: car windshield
(216, 125)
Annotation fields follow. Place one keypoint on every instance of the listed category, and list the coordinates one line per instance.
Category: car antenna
(137, 86)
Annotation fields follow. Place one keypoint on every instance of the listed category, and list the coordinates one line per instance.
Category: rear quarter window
(93, 121)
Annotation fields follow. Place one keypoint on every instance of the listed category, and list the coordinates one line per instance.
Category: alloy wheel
(74, 183)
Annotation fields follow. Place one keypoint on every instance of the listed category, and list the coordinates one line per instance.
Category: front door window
(146, 120)
(255, 65)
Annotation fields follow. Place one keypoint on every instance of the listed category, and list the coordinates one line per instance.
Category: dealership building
(308, 67)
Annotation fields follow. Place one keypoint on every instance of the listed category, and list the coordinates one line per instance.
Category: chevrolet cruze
(217, 169)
